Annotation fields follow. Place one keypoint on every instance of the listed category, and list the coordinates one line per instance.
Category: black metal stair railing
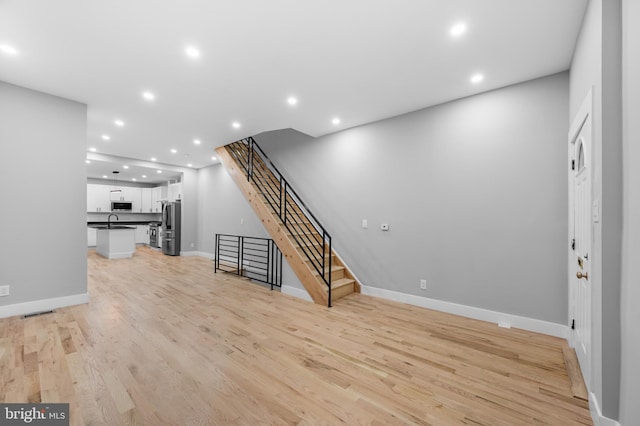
(309, 235)
(259, 259)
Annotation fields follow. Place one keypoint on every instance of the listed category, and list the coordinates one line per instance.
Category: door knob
(580, 275)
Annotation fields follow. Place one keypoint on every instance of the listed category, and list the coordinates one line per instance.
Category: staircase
(304, 242)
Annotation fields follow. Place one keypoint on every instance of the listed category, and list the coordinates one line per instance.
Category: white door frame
(584, 113)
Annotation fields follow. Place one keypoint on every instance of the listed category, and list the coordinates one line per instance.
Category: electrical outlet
(423, 284)
(365, 224)
(193, 245)
(4, 290)
(242, 221)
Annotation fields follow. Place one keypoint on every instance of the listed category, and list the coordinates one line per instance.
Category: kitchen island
(115, 241)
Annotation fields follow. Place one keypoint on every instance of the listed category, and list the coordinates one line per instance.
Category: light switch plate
(365, 224)
(4, 290)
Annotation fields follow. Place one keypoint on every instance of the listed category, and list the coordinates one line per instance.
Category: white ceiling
(360, 60)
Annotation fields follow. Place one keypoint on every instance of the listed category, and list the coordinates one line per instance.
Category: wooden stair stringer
(312, 283)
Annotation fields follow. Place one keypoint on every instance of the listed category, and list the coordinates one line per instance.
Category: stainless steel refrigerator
(171, 218)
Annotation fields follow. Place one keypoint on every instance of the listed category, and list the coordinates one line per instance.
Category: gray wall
(630, 314)
(474, 192)
(223, 209)
(42, 153)
(596, 64)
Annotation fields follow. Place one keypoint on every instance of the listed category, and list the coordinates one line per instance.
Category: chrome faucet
(109, 219)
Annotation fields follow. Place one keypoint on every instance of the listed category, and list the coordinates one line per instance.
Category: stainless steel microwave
(121, 206)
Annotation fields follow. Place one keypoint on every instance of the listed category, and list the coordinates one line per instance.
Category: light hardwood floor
(164, 340)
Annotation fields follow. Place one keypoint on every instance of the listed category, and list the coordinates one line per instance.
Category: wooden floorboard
(165, 341)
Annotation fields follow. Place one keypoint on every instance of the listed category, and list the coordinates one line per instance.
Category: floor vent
(35, 314)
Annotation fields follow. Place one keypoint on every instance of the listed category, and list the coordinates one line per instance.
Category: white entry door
(581, 256)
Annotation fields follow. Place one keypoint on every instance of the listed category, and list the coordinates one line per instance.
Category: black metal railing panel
(312, 239)
(256, 258)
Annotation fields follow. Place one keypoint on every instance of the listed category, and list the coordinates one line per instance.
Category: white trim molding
(596, 413)
(43, 305)
(204, 254)
(502, 319)
(296, 292)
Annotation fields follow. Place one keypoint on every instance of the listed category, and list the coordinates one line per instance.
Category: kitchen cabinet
(158, 194)
(98, 198)
(175, 191)
(145, 196)
(91, 237)
(142, 234)
(120, 193)
(136, 200)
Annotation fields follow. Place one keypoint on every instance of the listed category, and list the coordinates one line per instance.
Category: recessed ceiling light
(292, 100)
(174, 151)
(92, 149)
(144, 176)
(235, 125)
(125, 167)
(154, 159)
(158, 171)
(189, 165)
(214, 158)
(133, 179)
(477, 78)
(9, 50)
(87, 161)
(119, 123)
(106, 137)
(336, 121)
(148, 96)
(196, 141)
(458, 29)
(105, 177)
(192, 52)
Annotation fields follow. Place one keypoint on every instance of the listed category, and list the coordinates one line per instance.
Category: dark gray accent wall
(43, 254)
(474, 192)
(596, 65)
(630, 290)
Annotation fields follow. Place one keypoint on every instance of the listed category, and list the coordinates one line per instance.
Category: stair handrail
(285, 188)
(256, 258)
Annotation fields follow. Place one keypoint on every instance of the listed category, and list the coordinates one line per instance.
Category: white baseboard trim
(596, 413)
(198, 253)
(296, 292)
(43, 305)
(507, 320)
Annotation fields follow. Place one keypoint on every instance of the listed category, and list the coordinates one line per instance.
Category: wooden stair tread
(298, 239)
(578, 387)
(335, 284)
(334, 268)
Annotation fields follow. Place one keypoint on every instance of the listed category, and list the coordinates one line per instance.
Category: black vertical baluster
(217, 255)
(240, 260)
(329, 265)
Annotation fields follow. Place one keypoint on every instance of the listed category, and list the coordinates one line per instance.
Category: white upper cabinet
(136, 200)
(145, 196)
(175, 191)
(120, 193)
(98, 198)
(144, 200)
(158, 194)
